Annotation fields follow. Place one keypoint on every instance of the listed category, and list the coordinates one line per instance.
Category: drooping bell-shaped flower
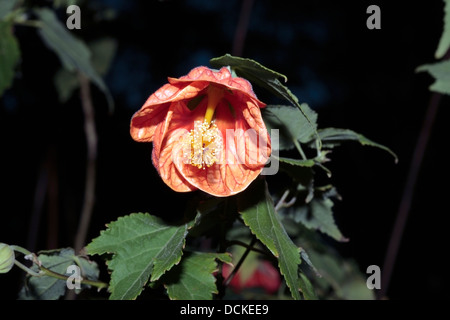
(207, 132)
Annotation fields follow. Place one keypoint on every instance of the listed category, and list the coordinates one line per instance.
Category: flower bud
(7, 258)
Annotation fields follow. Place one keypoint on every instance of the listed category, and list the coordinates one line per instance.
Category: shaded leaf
(193, 278)
(73, 53)
(317, 214)
(336, 136)
(258, 212)
(143, 247)
(260, 75)
(9, 55)
(342, 275)
(50, 288)
(292, 124)
(306, 287)
(6, 6)
(441, 72)
(297, 162)
(444, 42)
(103, 51)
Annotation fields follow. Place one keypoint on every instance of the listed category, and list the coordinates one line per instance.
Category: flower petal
(144, 122)
(163, 145)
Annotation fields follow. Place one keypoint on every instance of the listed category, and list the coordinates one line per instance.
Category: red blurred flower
(263, 276)
(207, 132)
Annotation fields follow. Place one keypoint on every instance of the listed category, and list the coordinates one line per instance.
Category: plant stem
(240, 262)
(241, 29)
(91, 158)
(50, 273)
(242, 244)
(27, 270)
(408, 192)
(299, 149)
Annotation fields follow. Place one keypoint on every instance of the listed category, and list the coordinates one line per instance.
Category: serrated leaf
(337, 135)
(306, 287)
(73, 53)
(444, 42)
(9, 55)
(193, 278)
(50, 288)
(318, 215)
(258, 212)
(262, 76)
(441, 72)
(143, 247)
(292, 124)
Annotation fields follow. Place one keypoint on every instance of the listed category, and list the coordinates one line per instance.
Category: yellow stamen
(202, 145)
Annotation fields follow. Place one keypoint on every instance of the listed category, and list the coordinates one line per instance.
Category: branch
(91, 159)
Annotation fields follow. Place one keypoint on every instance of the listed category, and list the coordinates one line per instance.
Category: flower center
(203, 144)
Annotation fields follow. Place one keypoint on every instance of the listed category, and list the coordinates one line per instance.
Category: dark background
(353, 77)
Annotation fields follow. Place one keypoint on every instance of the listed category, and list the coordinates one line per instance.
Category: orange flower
(207, 132)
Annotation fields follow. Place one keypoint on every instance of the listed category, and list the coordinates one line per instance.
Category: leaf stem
(27, 270)
(47, 272)
(242, 244)
(299, 149)
(50, 273)
(281, 201)
(20, 249)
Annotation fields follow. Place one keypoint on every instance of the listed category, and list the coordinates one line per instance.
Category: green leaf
(444, 42)
(332, 136)
(258, 212)
(341, 275)
(50, 288)
(73, 53)
(441, 72)
(297, 162)
(306, 287)
(317, 214)
(293, 125)
(6, 6)
(9, 55)
(262, 76)
(142, 246)
(193, 278)
(103, 51)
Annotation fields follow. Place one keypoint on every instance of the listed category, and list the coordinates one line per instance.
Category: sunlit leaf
(143, 248)
(258, 212)
(193, 278)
